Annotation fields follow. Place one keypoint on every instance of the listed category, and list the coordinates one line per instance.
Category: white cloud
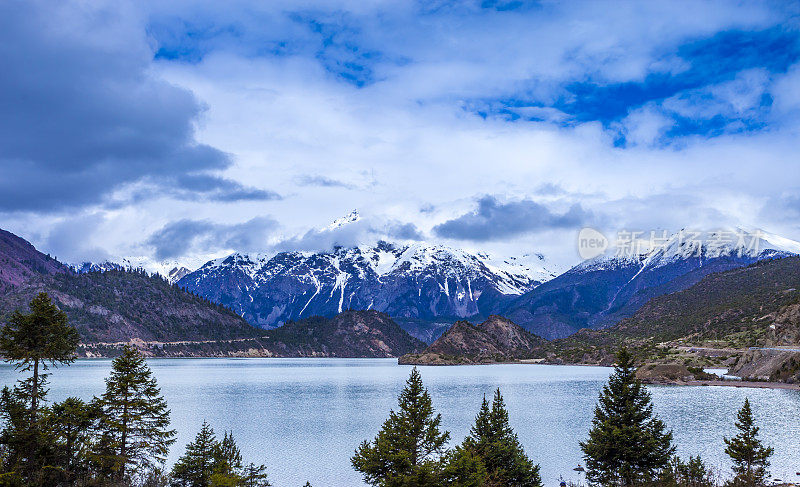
(410, 139)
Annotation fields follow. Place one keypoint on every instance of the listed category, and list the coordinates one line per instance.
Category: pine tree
(462, 468)
(255, 476)
(24, 446)
(196, 466)
(71, 423)
(32, 342)
(37, 340)
(627, 444)
(750, 458)
(493, 441)
(409, 446)
(228, 455)
(227, 463)
(135, 419)
(693, 473)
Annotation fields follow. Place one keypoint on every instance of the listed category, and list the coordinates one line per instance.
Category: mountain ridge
(603, 291)
(115, 305)
(406, 281)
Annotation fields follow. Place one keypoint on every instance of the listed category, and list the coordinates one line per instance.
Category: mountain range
(114, 304)
(423, 282)
(719, 316)
(428, 287)
(600, 292)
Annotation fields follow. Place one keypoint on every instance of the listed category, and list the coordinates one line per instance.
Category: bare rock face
(495, 340)
(769, 365)
(664, 374)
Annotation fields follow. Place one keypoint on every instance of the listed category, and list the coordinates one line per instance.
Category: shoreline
(744, 384)
(694, 383)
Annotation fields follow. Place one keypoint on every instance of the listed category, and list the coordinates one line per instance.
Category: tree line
(627, 445)
(119, 439)
(122, 438)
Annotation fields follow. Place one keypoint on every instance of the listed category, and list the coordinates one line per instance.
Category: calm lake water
(304, 417)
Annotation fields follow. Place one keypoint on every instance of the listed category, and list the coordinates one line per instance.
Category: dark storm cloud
(82, 115)
(403, 231)
(494, 220)
(178, 237)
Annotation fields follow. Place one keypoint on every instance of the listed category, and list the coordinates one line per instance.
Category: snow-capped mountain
(171, 271)
(599, 292)
(351, 217)
(406, 281)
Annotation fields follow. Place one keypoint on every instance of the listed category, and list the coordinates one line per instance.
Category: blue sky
(185, 130)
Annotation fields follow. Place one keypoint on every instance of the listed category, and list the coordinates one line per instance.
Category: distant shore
(744, 383)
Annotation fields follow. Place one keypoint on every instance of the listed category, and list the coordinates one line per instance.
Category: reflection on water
(304, 417)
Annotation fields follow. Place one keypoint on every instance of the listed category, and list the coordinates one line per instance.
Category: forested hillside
(112, 306)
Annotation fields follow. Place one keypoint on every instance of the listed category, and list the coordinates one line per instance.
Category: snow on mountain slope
(413, 281)
(171, 271)
(599, 292)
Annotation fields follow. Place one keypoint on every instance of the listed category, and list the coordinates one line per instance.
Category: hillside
(753, 306)
(367, 334)
(601, 292)
(115, 305)
(495, 340)
(20, 262)
(348, 334)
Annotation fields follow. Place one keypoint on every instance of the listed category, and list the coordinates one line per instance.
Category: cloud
(71, 240)
(83, 115)
(402, 231)
(157, 112)
(363, 231)
(494, 220)
(183, 236)
(322, 181)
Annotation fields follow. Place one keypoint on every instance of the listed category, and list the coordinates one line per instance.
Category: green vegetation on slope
(736, 309)
(117, 306)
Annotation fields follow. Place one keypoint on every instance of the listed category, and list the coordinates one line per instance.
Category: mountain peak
(407, 281)
(495, 340)
(351, 217)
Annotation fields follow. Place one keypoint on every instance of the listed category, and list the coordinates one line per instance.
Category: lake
(304, 417)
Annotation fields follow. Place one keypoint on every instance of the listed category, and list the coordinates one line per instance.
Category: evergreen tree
(228, 456)
(409, 446)
(71, 423)
(750, 458)
(35, 341)
(196, 467)
(627, 444)
(693, 473)
(255, 476)
(493, 441)
(134, 419)
(25, 446)
(227, 463)
(462, 468)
